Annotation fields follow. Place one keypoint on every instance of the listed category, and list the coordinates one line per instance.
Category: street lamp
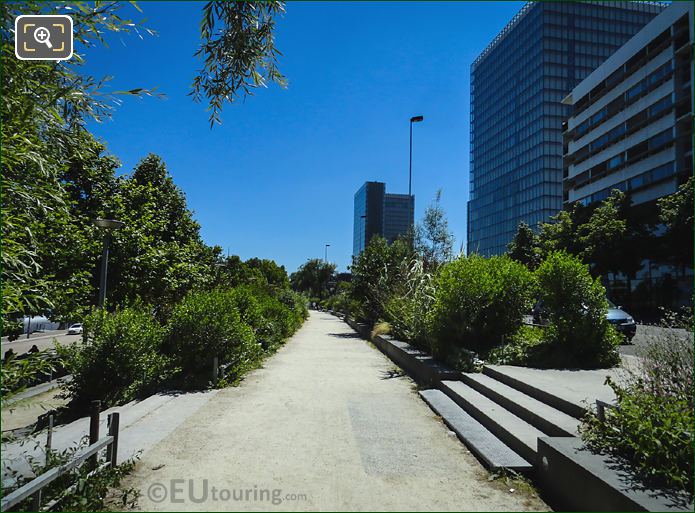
(107, 225)
(414, 119)
(325, 257)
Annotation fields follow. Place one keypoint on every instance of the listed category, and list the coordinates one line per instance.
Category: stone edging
(419, 365)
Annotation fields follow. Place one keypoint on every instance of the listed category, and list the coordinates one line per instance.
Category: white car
(75, 329)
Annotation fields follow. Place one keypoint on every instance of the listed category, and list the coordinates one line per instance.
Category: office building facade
(631, 129)
(631, 122)
(517, 85)
(380, 213)
(398, 215)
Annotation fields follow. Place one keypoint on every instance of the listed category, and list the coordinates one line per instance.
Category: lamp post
(325, 256)
(414, 119)
(107, 225)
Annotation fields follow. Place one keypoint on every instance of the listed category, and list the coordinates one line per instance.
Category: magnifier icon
(43, 35)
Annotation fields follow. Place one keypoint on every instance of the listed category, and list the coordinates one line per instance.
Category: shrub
(282, 316)
(208, 324)
(119, 358)
(411, 297)
(652, 427)
(578, 333)
(255, 309)
(518, 347)
(375, 274)
(296, 306)
(79, 488)
(477, 303)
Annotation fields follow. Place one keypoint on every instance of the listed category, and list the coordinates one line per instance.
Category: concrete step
(550, 420)
(566, 467)
(486, 446)
(566, 390)
(518, 434)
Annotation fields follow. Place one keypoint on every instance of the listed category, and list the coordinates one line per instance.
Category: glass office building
(379, 213)
(398, 215)
(517, 85)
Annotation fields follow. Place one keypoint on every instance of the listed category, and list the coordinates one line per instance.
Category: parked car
(75, 329)
(619, 318)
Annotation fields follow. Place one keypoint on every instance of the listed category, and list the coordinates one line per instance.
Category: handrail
(48, 477)
(34, 487)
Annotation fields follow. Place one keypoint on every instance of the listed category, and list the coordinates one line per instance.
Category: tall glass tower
(517, 85)
(380, 213)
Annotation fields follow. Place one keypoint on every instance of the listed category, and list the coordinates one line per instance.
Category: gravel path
(324, 425)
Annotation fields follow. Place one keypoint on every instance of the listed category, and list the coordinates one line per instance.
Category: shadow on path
(344, 335)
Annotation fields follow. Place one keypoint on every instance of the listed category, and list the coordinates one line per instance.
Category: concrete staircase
(499, 419)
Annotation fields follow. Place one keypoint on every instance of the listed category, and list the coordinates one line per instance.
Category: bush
(517, 347)
(410, 299)
(119, 358)
(282, 314)
(375, 274)
(208, 324)
(578, 334)
(128, 354)
(652, 427)
(478, 302)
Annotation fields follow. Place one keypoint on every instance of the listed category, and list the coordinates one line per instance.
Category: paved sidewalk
(324, 425)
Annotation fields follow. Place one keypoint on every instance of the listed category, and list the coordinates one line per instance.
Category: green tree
(71, 248)
(159, 255)
(312, 278)
(524, 247)
(676, 213)
(433, 239)
(271, 273)
(603, 237)
(238, 52)
(560, 233)
(44, 108)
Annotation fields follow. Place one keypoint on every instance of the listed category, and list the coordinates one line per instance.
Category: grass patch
(381, 328)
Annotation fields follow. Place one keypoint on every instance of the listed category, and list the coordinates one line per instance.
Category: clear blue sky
(277, 179)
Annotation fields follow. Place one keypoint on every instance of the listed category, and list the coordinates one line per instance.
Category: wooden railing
(34, 487)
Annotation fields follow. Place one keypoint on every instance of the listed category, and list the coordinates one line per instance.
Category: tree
(273, 274)
(238, 52)
(560, 234)
(44, 108)
(56, 177)
(313, 277)
(433, 239)
(70, 243)
(524, 247)
(603, 237)
(158, 255)
(676, 213)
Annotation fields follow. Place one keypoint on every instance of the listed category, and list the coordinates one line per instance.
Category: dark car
(619, 318)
